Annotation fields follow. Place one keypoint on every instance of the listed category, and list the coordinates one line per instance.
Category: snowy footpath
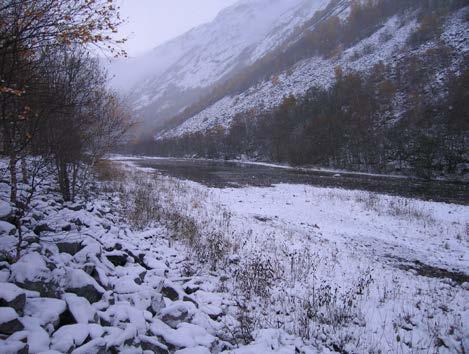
(149, 264)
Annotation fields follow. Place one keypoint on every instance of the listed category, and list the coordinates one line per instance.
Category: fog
(153, 22)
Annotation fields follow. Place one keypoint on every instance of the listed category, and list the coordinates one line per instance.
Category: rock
(13, 346)
(95, 346)
(66, 338)
(195, 350)
(45, 310)
(174, 314)
(42, 228)
(78, 222)
(5, 210)
(75, 207)
(153, 345)
(80, 308)
(46, 288)
(118, 259)
(38, 216)
(6, 228)
(31, 238)
(82, 284)
(189, 299)
(71, 248)
(157, 304)
(89, 292)
(67, 228)
(12, 296)
(191, 289)
(9, 322)
(170, 293)
(31, 272)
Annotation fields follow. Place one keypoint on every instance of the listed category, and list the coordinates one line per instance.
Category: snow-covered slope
(384, 45)
(237, 37)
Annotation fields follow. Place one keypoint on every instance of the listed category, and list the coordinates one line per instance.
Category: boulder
(89, 292)
(9, 322)
(117, 258)
(12, 296)
(174, 314)
(5, 210)
(45, 310)
(67, 228)
(170, 293)
(71, 247)
(78, 222)
(6, 228)
(82, 284)
(153, 345)
(80, 308)
(42, 228)
(32, 272)
(14, 346)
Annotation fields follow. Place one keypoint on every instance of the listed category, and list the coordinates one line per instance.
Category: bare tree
(28, 27)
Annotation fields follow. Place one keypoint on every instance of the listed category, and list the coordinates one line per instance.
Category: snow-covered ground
(345, 270)
(149, 263)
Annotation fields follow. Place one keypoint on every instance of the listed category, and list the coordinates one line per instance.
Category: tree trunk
(64, 182)
(24, 170)
(13, 179)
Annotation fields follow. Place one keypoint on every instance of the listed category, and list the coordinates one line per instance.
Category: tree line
(353, 124)
(55, 104)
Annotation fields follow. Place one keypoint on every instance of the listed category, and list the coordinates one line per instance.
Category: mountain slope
(180, 72)
(385, 44)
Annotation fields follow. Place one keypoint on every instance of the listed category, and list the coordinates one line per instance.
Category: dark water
(221, 174)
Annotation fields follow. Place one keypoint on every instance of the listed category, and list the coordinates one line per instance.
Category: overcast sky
(152, 22)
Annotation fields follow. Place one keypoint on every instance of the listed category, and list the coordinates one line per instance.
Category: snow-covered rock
(80, 308)
(12, 296)
(5, 210)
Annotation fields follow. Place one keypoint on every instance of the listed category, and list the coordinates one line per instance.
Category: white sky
(152, 22)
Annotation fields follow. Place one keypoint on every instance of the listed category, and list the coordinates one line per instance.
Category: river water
(222, 174)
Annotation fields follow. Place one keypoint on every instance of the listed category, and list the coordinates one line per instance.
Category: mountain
(376, 86)
(178, 73)
(384, 44)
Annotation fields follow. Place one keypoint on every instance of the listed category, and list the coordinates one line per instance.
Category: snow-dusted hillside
(384, 45)
(237, 37)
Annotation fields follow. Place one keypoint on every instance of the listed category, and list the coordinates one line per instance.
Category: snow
(30, 267)
(5, 209)
(186, 335)
(7, 314)
(316, 237)
(80, 308)
(9, 292)
(293, 243)
(194, 350)
(77, 278)
(6, 228)
(67, 337)
(46, 310)
(36, 337)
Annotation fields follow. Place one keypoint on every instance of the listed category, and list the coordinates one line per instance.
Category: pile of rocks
(85, 283)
